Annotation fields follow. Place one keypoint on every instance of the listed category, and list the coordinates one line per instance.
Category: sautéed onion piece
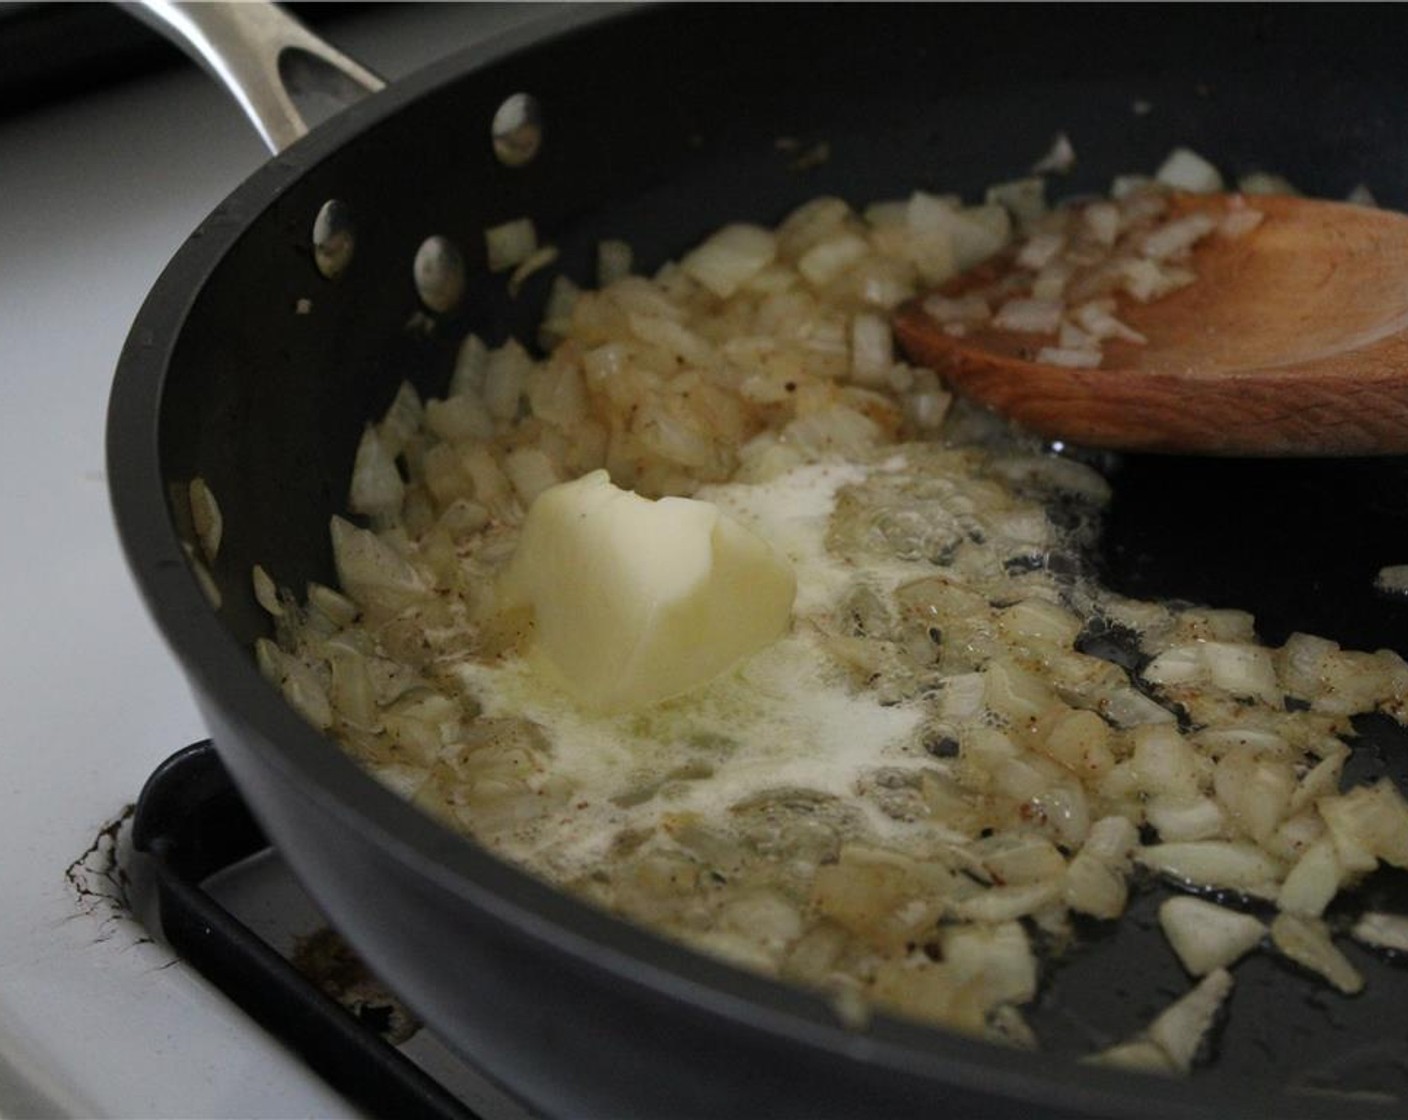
(928, 775)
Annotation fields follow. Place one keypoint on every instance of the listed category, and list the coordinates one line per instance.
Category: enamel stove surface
(98, 1017)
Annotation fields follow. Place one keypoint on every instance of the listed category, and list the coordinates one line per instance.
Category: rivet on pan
(439, 274)
(518, 130)
(333, 238)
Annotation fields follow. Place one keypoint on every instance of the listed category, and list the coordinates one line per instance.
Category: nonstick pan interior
(251, 370)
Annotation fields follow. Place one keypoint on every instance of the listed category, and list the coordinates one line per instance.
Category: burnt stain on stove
(101, 885)
(331, 965)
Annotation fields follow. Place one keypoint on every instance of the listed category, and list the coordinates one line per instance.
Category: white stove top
(95, 196)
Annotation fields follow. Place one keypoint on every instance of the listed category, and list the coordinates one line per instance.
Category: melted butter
(786, 717)
(792, 513)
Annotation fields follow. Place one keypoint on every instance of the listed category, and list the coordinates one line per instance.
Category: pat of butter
(635, 601)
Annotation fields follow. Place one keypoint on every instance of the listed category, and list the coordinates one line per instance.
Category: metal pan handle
(265, 58)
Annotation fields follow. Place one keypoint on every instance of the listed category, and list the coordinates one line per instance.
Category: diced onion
(614, 260)
(1185, 170)
(370, 570)
(1025, 199)
(1180, 1029)
(1264, 182)
(824, 262)
(1177, 818)
(1102, 219)
(1224, 864)
(510, 244)
(1307, 942)
(1392, 579)
(1060, 157)
(206, 518)
(1069, 358)
(536, 261)
(266, 592)
(1239, 223)
(1041, 250)
(1173, 1039)
(1031, 316)
(1206, 936)
(969, 309)
(731, 257)
(1384, 931)
(1361, 195)
(377, 488)
(1312, 882)
(505, 379)
(1097, 318)
(872, 349)
(1177, 236)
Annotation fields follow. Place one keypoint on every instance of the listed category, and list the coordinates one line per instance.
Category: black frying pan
(250, 369)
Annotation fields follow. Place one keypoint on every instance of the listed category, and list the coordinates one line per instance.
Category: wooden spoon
(1293, 340)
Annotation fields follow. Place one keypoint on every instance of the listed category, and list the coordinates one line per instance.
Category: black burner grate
(191, 825)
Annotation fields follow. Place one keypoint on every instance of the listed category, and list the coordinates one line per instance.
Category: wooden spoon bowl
(1293, 340)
